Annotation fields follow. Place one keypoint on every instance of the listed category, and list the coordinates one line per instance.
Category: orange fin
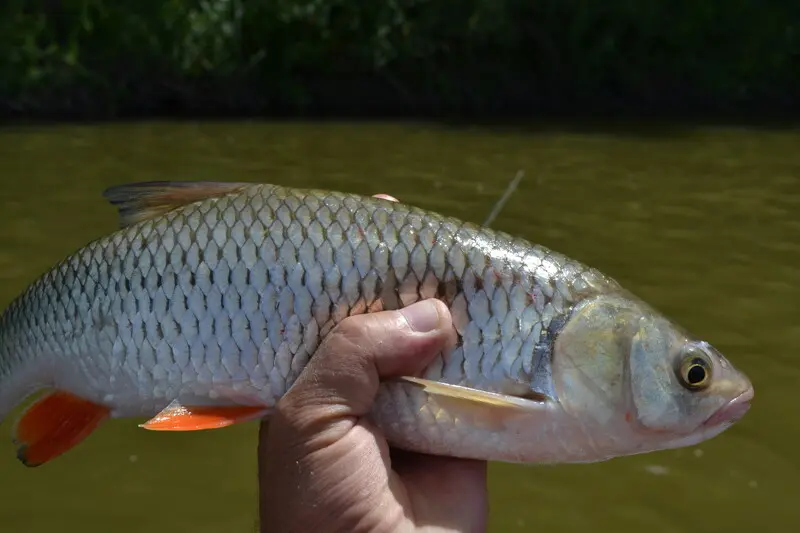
(145, 200)
(54, 424)
(178, 417)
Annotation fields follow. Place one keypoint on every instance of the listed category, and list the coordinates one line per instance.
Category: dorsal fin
(145, 200)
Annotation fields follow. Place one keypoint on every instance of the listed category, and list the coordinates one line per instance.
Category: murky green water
(703, 224)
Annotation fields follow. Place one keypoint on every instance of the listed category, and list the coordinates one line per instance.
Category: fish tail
(53, 423)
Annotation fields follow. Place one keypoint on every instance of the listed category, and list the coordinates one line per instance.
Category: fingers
(342, 378)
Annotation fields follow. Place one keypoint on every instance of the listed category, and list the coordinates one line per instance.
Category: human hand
(323, 467)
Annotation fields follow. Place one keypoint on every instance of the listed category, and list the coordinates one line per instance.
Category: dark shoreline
(453, 62)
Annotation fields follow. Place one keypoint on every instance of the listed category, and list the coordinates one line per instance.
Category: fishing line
(503, 199)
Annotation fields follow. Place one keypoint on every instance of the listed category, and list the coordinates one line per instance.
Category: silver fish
(212, 297)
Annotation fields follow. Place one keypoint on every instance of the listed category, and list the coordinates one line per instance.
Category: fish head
(638, 383)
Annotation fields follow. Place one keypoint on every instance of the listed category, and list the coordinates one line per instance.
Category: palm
(353, 475)
(441, 493)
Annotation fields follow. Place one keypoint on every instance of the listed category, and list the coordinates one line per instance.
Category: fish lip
(732, 411)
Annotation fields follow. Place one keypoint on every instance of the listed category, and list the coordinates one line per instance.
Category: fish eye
(695, 371)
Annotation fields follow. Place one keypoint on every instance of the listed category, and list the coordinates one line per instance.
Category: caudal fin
(54, 424)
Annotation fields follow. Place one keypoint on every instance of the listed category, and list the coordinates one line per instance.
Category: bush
(102, 58)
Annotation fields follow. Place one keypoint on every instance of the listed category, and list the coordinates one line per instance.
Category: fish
(203, 307)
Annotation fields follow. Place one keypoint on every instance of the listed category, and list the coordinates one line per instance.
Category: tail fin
(54, 424)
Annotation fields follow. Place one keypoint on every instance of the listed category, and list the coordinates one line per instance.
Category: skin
(324, 467)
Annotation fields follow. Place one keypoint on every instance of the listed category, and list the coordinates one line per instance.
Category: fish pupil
(696, 374)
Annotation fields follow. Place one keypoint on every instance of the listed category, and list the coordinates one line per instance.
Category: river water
(702, 223)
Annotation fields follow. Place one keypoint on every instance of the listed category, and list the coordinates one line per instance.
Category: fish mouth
(732, 411)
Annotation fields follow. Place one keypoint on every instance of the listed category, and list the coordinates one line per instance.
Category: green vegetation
(105, 58)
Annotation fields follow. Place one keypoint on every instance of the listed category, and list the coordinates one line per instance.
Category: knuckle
(348, 335)
(351, 326)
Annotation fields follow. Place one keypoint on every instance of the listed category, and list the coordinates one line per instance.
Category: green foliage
(102, 57)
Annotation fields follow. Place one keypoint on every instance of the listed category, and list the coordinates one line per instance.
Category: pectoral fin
(54, 424)
(478, 397)
(489, 410)
(178, 417)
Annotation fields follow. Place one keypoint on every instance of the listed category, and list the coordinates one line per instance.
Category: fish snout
(734, 410)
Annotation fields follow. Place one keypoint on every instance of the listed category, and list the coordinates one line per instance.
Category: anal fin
(54, 424)
(178, 417)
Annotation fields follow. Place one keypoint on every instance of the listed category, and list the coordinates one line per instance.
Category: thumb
(341, 379)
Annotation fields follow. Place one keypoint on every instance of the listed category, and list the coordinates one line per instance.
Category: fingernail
(422, 316)
(385, 197)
